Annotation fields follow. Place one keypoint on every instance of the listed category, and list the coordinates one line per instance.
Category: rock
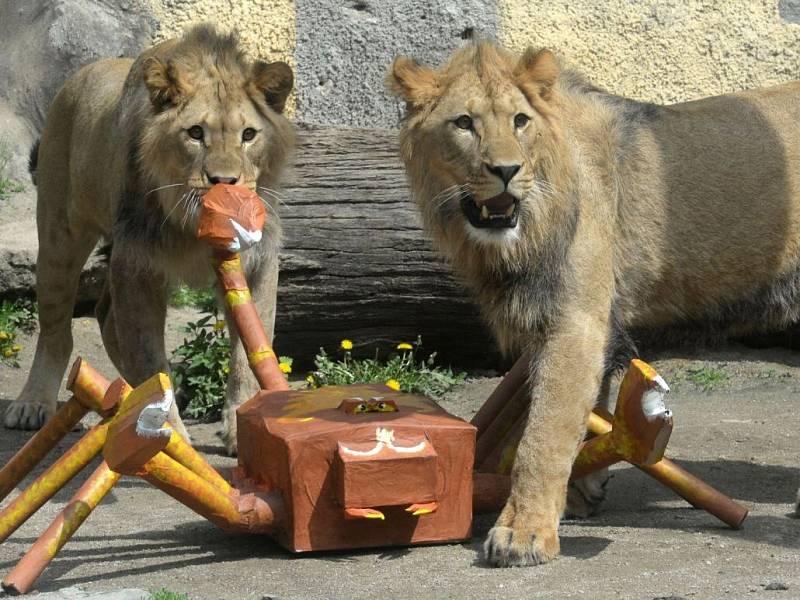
(42, 42)
(18, 248)
(776, 586)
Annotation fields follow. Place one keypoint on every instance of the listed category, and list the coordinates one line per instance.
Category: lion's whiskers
(269, 208)
(163, 187)
(180, 201)
(447, 194)
(281, 198)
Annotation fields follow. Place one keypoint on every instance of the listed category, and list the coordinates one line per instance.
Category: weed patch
(15, 316)
(401, 370)
(708, 378)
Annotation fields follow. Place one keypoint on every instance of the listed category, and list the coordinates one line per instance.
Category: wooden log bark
(356, 263)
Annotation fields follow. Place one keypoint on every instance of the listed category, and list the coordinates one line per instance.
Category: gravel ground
(646, 543)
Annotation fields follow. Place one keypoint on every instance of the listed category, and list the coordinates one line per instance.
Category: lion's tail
(33, 160)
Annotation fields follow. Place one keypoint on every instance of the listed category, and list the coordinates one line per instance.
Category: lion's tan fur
(632, 216)
(116, 161)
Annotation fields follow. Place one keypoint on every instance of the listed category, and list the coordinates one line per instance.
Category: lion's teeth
(484, 212)
(510, 211)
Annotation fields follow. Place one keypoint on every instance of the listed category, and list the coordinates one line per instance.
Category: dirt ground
(646, 543)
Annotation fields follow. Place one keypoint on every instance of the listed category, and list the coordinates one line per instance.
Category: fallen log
(356, 263)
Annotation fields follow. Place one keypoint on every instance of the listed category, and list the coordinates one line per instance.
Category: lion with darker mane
(577, 216)
(128, 149)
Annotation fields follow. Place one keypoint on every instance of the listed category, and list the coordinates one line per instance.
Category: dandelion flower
(346, 344)
(16, 348)
(8, 353)
(394, 384)
(226, 369)
(3, 335)
(405, 346)
(219, 325)
(285, 367)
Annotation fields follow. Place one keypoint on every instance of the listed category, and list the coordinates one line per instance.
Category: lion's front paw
(585, 495)
(28, 415)
(228, 435)
(520, 546)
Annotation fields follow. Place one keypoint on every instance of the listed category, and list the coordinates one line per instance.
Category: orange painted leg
(52, 480)
(60, 531)
(262, 359)
(88, 388)
(182, 452)
(31, 454)
(192, 490)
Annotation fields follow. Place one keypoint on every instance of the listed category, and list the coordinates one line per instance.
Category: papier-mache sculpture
(331, 468)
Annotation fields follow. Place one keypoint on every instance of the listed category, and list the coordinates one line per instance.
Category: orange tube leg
(260, 355)
(21, 578)
(52, 480)
(181, 451)
(88, 388)
(192, 490)
(31, 454)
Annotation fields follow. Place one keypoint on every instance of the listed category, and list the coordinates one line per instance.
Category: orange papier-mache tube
(227, 212)
(88, 388)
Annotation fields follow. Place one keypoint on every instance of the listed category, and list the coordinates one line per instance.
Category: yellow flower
(394, 384)
(285, 367)
(226, 370)
(310, 380)
(405, 346)
(347, 344)
(3, 335)
(16, 348)
(8, 353)
(219, 325)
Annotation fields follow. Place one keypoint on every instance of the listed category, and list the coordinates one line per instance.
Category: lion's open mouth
(498, 212)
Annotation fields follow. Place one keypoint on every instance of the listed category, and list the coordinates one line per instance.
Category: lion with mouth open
(577, 216)
(127, 152)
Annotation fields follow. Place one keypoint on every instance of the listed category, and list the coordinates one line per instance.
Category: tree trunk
(356, 263)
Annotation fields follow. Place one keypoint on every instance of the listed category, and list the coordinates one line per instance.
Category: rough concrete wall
(344, 48)
(42, 42)
(665, 50)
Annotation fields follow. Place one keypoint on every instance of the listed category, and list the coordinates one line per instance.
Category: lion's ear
(537, 71)
(274, 80)
(416, 84)
(163, 81)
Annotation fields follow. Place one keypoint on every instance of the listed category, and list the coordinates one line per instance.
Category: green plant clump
(7, 186)
(708, 378)
(15, 316)
(402, 370)
(200, 367)
(165, 594)
(183, 296)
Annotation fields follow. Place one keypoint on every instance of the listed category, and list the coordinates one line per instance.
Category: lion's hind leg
(63, 250)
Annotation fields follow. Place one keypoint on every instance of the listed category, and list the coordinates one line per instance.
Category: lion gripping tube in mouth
(498, 212)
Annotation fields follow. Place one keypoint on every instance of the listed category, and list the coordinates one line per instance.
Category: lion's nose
(221, 179)
(505, 172)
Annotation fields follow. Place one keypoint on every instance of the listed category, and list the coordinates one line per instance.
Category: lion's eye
(463, 122)
(195, 132)
(521, 120)
(248, 134)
